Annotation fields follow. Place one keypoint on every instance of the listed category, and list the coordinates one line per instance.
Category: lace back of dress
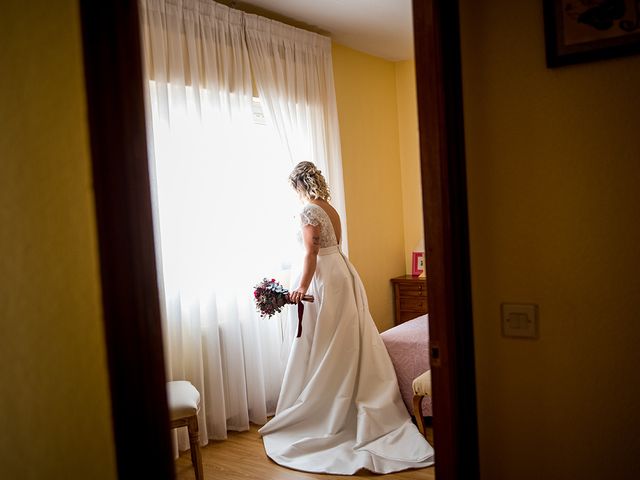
(315, 215)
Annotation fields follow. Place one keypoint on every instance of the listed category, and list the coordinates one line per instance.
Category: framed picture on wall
(579, 31)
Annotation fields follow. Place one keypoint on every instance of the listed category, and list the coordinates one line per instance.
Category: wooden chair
(184, 403)
(421, 388)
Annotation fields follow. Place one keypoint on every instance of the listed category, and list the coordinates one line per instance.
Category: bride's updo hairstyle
(308, 180)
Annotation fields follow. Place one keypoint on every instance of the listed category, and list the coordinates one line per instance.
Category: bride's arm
(311, 239)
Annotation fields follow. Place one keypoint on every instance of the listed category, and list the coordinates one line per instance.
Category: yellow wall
(380, 154)
(367, 111)
(54, 402)
(409, 159)
(554, 187)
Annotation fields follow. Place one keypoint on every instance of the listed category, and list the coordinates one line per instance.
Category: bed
(408, 347)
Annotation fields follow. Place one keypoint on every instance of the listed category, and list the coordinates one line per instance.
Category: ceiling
(378, 27)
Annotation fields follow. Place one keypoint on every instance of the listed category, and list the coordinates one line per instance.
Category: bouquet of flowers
(270, 297)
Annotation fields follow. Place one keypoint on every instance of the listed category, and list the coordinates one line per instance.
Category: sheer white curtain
(224, 214)
(293, 71)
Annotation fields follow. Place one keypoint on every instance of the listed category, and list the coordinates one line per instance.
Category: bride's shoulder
(307, 207)
(310, 214)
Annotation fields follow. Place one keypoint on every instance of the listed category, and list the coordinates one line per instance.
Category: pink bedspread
(408, 347)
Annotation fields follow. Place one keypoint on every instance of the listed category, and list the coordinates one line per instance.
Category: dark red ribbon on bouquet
(300, 313)
(306, 298)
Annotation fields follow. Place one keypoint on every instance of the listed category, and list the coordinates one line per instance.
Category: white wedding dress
(340, 408)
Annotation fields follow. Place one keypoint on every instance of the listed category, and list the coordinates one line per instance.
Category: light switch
(520, 320)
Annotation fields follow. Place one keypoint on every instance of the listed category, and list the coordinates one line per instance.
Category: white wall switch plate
(519, 320)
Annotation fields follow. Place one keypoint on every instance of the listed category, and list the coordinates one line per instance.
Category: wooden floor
(242, 457)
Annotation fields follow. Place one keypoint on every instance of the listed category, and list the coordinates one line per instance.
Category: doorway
(121, 178)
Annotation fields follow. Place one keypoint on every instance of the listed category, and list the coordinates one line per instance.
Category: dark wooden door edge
(132, 325)
(440, 115)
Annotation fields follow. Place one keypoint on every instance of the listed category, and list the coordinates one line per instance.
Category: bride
(339, 408)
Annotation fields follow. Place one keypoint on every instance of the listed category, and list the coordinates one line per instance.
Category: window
(226, 214)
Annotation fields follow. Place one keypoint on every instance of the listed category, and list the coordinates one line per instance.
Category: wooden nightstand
(410, 294)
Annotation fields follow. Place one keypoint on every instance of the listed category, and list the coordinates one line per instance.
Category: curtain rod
(263, 12)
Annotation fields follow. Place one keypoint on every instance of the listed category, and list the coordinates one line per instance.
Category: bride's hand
(296, 295)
